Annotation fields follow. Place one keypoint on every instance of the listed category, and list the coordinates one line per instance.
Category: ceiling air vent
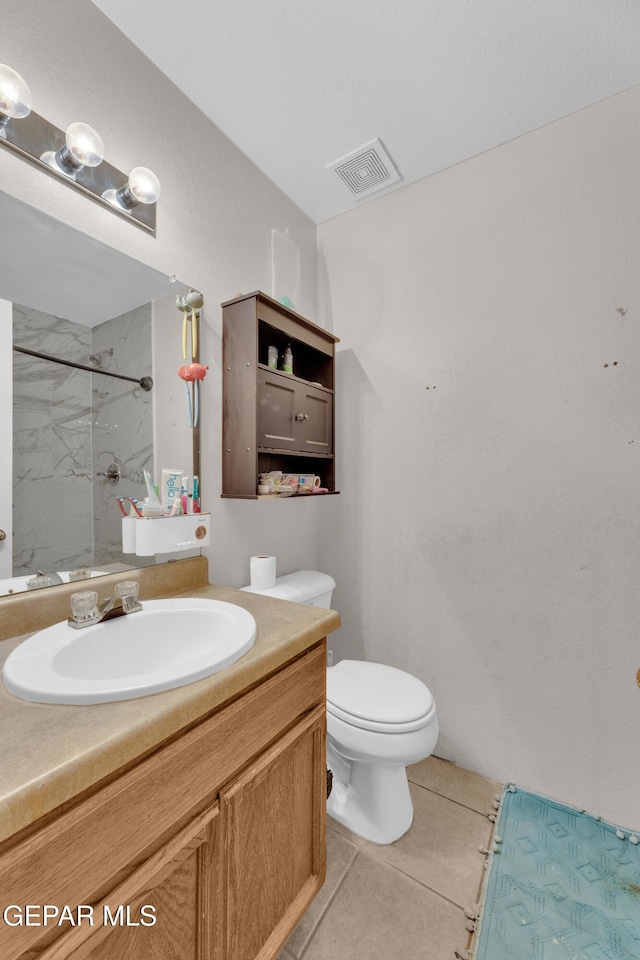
(366, 170)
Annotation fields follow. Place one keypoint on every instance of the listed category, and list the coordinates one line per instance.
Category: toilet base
(375, 803)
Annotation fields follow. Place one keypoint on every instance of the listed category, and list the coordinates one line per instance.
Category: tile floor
(404, 901)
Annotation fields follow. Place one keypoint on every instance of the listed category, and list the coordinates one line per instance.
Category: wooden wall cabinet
(222, 832)
(274, 420)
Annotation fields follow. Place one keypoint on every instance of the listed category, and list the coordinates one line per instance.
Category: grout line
(409, 876)
(314, 929)
(368, 848)
(385, 863)
(353, 839)
(445, 797)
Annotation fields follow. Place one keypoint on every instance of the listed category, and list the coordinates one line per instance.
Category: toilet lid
(376, 692)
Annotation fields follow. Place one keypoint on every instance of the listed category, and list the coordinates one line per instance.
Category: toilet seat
(377, 697)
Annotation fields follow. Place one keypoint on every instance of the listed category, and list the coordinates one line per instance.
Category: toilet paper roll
(262, 570)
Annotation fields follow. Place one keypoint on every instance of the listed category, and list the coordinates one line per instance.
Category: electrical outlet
(330, 661)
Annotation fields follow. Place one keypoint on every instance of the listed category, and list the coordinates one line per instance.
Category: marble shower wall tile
(122, 425)
(70, 424)
(52, 508)
(49, 334)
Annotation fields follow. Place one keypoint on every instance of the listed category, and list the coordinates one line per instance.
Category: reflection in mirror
(69, 425)
(80, 436)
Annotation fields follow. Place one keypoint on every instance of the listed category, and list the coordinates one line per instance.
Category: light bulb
(142, 187)
(15, 96)
(84, 145)
(83, 148)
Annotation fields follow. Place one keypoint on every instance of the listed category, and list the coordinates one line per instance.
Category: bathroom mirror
(79, 437)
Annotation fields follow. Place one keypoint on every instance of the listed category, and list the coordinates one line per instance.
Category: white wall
(215, 218)
(490, 451)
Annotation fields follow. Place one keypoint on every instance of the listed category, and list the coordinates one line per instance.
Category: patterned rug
(562, 886)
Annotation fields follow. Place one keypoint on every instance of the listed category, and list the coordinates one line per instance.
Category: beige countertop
(51, 753)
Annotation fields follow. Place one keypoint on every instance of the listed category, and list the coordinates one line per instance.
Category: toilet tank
(303, 586)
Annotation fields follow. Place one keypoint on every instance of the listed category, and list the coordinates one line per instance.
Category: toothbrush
(120, 502)
(194, 334)
(134, 504)
(189, 406)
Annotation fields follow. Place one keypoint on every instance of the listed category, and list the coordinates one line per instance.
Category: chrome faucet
(85, 611)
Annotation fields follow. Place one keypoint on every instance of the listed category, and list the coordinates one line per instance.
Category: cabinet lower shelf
(278, 496)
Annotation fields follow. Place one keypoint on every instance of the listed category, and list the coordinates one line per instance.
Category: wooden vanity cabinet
(219, 835)
(274, 829)
(273, 420)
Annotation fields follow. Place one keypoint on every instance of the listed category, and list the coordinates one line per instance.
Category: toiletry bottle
(170, 488)
(196, 495)
(287, 360)
(272, 357)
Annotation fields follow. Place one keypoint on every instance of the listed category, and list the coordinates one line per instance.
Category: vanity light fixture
(15, 96)
(75, 155)
(142, 187)
(83, 147)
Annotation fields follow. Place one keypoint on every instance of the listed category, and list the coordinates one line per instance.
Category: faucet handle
(84, 606)
(127, 593)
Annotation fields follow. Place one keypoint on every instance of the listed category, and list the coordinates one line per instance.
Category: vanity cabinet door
(273, 827)
(181, 884)
(178, 886)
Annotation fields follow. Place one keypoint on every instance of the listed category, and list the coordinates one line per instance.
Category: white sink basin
(167, 644)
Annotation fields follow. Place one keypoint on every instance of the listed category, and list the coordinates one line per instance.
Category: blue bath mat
(563, 886)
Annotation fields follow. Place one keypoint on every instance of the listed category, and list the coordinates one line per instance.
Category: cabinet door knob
(302, 416)
(3, 535)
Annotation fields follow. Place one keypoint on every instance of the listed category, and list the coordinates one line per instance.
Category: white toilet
(379, 719)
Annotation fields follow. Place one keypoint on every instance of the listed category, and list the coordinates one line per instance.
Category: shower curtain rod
(145, 382)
